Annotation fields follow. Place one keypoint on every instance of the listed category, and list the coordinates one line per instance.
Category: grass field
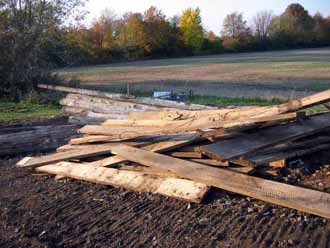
(280, 74)
(25, 110)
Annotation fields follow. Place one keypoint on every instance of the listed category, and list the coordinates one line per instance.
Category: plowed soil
(38, 211)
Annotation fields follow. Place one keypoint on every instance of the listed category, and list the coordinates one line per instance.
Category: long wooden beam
(291, 106)
(62, 156)
(131, 180)
(126, 98)
(306, 200)
(157, 147)
(182, 126)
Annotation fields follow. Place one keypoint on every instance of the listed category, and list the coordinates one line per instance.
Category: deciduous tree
(261, 24)
(30, 30)
(192, 29)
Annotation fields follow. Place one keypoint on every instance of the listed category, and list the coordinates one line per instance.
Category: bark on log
(40, 139)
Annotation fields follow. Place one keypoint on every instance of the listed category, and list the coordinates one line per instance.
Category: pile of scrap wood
(182, 153)
(35, 135)
(91, 106)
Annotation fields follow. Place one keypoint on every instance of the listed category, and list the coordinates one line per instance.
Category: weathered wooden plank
(131, 180)
(240, 146)
(211, 162)
(186, 154)
(43, 138)
(127, 98)
(291, 106)
(306, 200)
(162, 146)
(183, 114)
(69, 147)
(63, 156)
(91, 139)
(88, 114)
(181, 126)
(106, 106)
(277, 159)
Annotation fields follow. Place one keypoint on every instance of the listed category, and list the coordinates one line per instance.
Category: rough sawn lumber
(291, 106)
(131, 180)
(62, 156)
(306, 200)
(127, 98)
(247, 144)
(182, 126)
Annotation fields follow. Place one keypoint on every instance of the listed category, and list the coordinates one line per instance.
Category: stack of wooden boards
(182, 153)
(91, 106)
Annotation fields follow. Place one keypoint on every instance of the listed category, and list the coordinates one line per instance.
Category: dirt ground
(38, 211)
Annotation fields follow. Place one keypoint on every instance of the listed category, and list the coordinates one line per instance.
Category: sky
(213, 11)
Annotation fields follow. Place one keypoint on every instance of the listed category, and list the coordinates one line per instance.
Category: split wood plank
(182, 126)
(291, 106)
(106, 106)
(131, 180)
(241, 146)
(211, 162)
(69, 147)
(62, 156)
(306, 200)
(91, 139)
(186, 154)
(157, 147)
(183, 114)
(86, 115)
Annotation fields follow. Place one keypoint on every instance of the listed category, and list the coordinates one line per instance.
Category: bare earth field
(268, 74)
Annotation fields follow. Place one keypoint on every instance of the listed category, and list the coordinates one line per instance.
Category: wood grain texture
(63, 156)
(163, 146)
(127, 98)
(130, 131)
(302, 199)
(132, 180)
(240, 146)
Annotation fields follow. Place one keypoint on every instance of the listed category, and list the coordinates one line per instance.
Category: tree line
(152, 35)
(37, 35)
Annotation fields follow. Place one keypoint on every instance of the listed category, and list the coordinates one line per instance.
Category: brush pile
(181, 150)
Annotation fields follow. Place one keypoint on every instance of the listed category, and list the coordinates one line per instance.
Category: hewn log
(104, 106)
(40, 139)
(125, 98)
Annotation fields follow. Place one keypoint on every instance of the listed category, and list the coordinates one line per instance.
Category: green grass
(25, 110)
(234, 101)
(276, 74)
(204, 100)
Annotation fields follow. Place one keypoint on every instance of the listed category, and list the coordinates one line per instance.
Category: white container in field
(162, 94)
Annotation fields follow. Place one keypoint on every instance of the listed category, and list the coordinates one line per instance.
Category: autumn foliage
(35, 37)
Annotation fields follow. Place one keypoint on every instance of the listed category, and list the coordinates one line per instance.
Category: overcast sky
(213, 11)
